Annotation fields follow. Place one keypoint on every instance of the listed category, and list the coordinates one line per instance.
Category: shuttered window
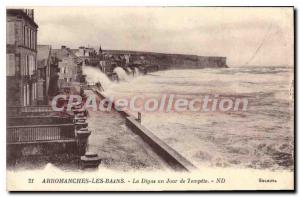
(28, 95)
(23, 66)
(29, 43)
(24, 95)
(27, 36)
(26, 65)
(32, 92)
(30, 65)
(24, 35)
(10, 33)
(35, 87)
(10, 64)
(33, 40)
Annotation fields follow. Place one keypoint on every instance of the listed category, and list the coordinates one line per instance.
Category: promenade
(117, 146)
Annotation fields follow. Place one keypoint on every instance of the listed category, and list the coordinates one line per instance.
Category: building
(53, 89)
(85, 52)
(88, 55)
(43, 72)
(33, 129)
(69, 65)
(21, 52)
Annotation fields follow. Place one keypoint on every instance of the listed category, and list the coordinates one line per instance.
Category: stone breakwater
(174, 61)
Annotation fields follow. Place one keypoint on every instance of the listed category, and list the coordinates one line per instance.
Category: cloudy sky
(254, 36)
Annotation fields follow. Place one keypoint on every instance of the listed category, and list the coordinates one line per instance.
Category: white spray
(122, 75)
(94, 75)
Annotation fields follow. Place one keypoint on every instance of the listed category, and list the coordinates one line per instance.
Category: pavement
(117, 146)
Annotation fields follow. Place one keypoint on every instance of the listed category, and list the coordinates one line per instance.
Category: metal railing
(88, 86)
(38, 108)
(12, 111)
(40, 133)
(30, 110)
(42, 108)
(37, 120)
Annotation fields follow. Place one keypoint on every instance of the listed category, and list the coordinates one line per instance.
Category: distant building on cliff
(21, 52)
(69, 65)
(170, 61)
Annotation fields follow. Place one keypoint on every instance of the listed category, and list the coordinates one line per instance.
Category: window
(24, 35)
(10, 33)
(34, 63)
(17, 63)
(10, 64)
(24, 95)
(34, 91)
(27, 38)
(31, 64)
(26, 65)
(22, 67)
(33, 39)
(28, 95)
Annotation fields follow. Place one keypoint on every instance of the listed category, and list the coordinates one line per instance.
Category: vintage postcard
(150, 98)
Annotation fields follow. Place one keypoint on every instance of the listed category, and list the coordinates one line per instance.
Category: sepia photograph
(150, 98)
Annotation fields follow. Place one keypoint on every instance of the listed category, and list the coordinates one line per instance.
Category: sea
(261, 137)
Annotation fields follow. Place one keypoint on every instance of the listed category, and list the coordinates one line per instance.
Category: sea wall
(170, 61)
(168, 154)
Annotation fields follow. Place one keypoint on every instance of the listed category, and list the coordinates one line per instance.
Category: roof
(21, 12)
(64, 52)
(86, 49)
(43, 55)
(61, 53)
(74, 50)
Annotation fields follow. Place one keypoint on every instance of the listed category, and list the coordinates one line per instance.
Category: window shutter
(27, 65)
(10, 33)
(24, 95)
(10, 65)
(28, 94)
(30, 65)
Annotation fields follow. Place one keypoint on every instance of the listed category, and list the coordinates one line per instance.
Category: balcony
(40, 134)
(41, 110)
(37, 120)
(38, 124)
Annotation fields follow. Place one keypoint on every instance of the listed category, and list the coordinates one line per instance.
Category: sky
(246, 36)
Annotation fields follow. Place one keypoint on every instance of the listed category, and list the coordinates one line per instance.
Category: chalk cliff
(169, 61)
